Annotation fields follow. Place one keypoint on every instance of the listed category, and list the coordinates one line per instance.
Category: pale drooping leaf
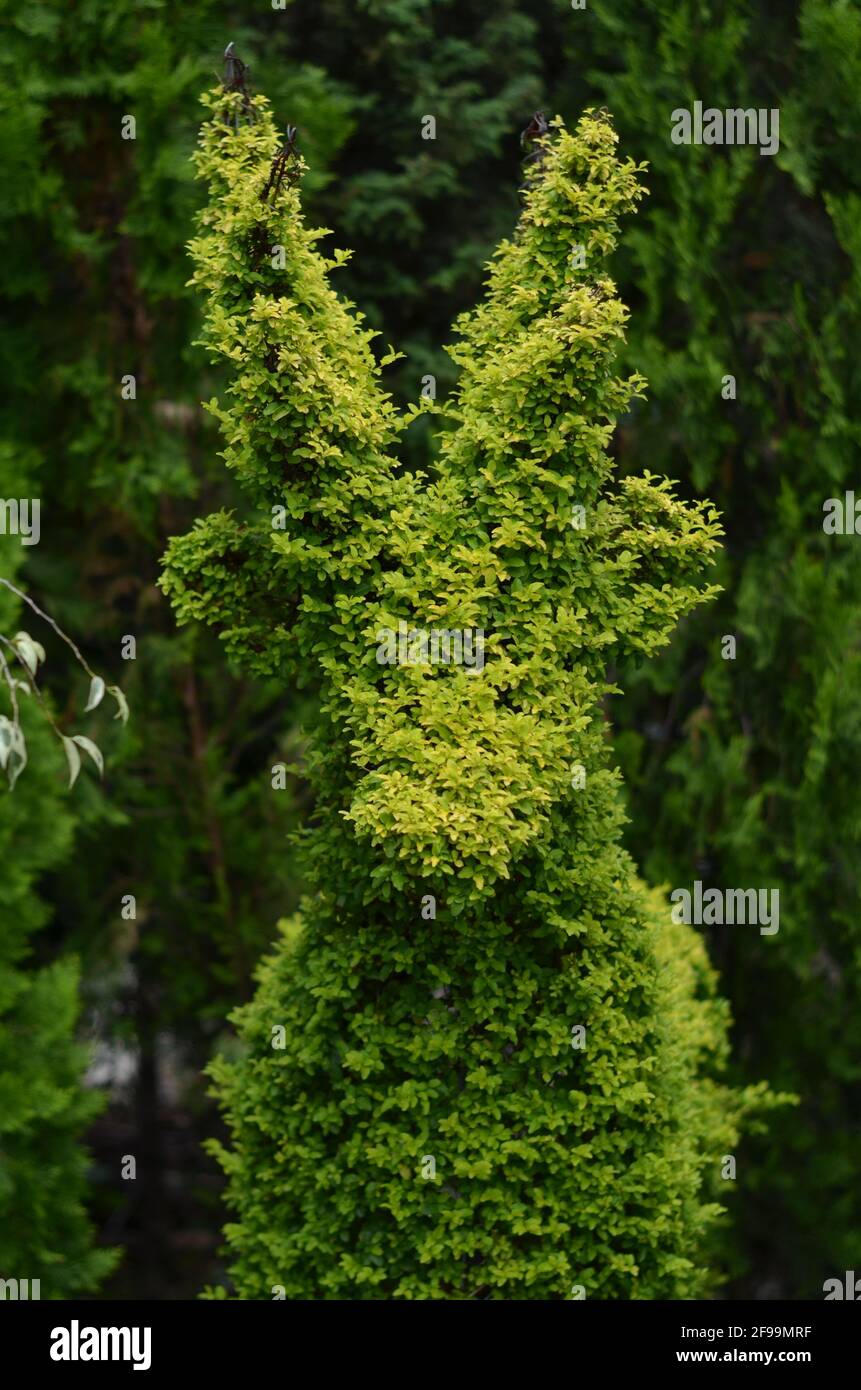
(6, 736)
(17, 760)
(25, 648)
(73, 758)
(97, 690)
(89, 747)
(122, 706)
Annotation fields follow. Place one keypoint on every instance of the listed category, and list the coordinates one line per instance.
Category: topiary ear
(537, 403)
(310, 418)
(307, 426)
(542, 342)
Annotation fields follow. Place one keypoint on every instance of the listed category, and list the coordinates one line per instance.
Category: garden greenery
(482, 1062)
(45, 1233)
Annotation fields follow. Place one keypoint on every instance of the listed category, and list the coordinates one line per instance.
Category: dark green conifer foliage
(44, 1110)
(423, 1125)
(92, 288)
(745, 772)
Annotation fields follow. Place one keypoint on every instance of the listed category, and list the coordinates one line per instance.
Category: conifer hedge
(482, 1062)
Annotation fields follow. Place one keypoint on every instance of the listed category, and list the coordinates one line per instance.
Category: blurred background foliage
(740, 773)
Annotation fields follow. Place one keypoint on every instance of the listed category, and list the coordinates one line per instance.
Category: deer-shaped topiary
(481, 1063)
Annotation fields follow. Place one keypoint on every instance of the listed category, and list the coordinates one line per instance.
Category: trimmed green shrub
(482, 1062)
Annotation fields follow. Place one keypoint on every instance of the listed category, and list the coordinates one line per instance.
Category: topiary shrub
(482, 1061)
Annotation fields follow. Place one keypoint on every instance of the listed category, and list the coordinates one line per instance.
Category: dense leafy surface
(403, 1038)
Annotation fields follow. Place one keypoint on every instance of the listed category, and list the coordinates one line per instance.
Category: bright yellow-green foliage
(410, 1036)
